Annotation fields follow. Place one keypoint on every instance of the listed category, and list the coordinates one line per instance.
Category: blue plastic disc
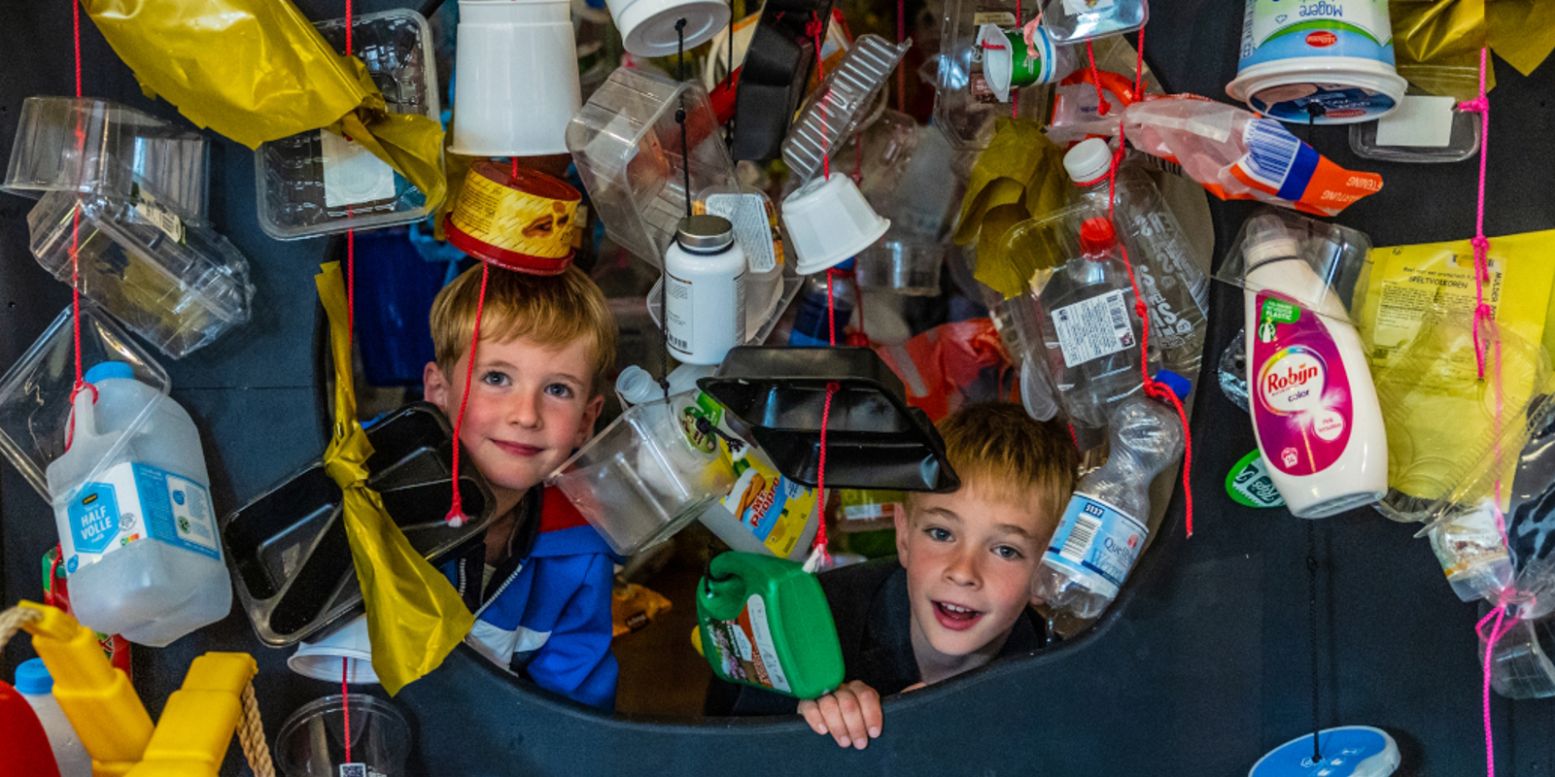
(1348, 751)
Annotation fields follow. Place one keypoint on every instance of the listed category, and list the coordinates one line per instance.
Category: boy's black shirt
(870, 607)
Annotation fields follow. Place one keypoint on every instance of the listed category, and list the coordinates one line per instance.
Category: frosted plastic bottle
(1089, 328)
(1105, 526)
(35, 685)
(138, 532)
(1172, 281)
(1311, 397)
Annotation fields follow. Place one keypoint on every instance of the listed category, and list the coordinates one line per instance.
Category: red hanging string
(1152, 387)
(901, 70)
(345, 706)
(345, 688)
(75, 233)
(815, 28)
(456, 516)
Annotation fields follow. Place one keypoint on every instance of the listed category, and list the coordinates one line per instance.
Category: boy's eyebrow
(1010, 528)
(943, 513)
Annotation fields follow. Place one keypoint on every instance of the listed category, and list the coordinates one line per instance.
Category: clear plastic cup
(176, 283)
(317, 183)
(841, 105)
(312, 741)
(627, 147)
(901, 265)
(66, 144)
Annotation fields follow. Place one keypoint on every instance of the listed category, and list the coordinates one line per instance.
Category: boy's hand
(851, 714)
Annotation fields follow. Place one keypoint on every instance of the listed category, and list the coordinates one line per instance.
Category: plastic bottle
(1089, 328)
(1105, 526)
(811, 329)
(704, 306)
(134, 515)
(636, 386)
(765, 622)
(36, 686)
(1313, 405)
(1169, 276)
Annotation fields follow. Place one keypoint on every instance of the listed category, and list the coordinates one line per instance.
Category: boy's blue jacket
(546, 613)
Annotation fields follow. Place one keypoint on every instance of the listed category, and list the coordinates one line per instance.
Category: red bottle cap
(1097, 236)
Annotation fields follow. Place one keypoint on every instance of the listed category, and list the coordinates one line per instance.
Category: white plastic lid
(828, 222)
(1088, 160)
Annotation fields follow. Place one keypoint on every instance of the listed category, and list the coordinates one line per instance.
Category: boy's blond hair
(1004, 453)
(551, 310)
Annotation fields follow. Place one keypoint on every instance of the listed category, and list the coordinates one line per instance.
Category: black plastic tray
(873, 439)
(290, 560)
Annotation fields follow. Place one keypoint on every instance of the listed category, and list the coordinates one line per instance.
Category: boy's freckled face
(530, 405)
(970, 559)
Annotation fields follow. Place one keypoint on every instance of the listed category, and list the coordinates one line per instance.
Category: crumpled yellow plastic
(1019, 176)
(414, 615)
(257, 70)
(1431, 36)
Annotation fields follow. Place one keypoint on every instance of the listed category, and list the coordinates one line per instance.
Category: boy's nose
(525, 410)
(962, 570)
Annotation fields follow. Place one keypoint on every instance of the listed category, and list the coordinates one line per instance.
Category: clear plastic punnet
(316, 182)
(627, 147)
(69, 144)
(174, 282)
(1520, 666)
(646, 475)
(1427, 126)
(842, 104)
(965, 105)
(36, 393)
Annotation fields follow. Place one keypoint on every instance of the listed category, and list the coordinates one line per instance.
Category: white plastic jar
(704, 294)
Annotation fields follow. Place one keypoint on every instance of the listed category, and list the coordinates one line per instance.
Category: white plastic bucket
(828, 221)
(518, 78)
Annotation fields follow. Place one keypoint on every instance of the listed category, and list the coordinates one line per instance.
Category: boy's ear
(591, 413)
(434, 386)
(903, 523)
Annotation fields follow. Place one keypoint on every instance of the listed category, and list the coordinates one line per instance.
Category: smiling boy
(540, 583)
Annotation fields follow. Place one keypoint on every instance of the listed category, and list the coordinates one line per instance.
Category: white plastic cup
(648, 26)
(828, 221)
(518, 78)
(320, 658)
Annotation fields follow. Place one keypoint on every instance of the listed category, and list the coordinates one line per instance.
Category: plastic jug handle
(723, 595)
(83, 419)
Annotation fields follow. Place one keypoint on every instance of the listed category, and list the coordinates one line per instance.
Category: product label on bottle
(1093, 328)
(1248, 483)
(352, 175)
(1096, 544)
(133, 502)
(745, 649)
(1300, 393)
(679, 314)
(775, 509)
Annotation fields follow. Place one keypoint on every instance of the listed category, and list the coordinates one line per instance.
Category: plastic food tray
(874, 440)
(842, 105)
(290, 559)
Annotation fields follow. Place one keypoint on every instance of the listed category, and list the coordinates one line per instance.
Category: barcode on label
(1270, 152)
(353, 770)
(1078, 543)
(1119, 318)
(1093, 328)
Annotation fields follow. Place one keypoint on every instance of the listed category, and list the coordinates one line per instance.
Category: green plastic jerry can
(764, 622)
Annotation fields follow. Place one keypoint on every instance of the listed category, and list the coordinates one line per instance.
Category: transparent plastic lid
(316, 182)
(36, 392)
(845, 101)
(1335, 255)
(66, 144)
(628, 151)
(176, 283)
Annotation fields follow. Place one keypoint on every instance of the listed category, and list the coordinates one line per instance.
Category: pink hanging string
(75, 239)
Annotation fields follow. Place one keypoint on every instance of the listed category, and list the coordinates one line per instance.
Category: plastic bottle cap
(33, 678)
(108, 371)
(705, 233)
(1097, 235)
(1089, 160)
(1179, 384)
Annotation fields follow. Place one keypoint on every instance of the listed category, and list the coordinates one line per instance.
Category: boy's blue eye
(494, 378)
(1007, 552)
(937, 534)
(561, 390)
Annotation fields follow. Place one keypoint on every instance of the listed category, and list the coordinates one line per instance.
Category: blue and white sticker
(1346, 751)
(132, 502)
(1096, 544)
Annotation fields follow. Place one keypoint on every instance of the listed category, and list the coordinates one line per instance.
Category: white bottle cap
(1088, 161)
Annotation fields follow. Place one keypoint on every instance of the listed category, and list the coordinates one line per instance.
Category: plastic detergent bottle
(1104, 528)
(134, 514)
(36, 686)
(1311, 397)
(1089, 328)
(764, 622)
(1172, 281)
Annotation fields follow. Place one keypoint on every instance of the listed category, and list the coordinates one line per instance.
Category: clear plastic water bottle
(1169, 275)
(1090, 331)
(135, 518)
(1105, 526)
(36, 686)
(811, 328)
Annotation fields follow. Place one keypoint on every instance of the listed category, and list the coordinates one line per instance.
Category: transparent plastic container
(842, 104)
(641, 480)
(1074, 21)
(317, 183)
(902, 266)
(965, 106)
(1423, 129)
(35, 393)
(67, 144)
(312, 742)
(176, 283)
(627, 147)
(1520, 666)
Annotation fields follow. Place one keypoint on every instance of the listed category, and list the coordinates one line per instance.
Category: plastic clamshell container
(313, 740)
(640, 480)
(873, 439)
(1462, 137)
(841, 105)
(88, 146)
(287, 549)
(35, 393)
(297, 194)
(176, 283)
(1337, 255)
(627, 147)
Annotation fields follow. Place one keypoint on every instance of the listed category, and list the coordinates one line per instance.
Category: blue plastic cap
(1178, 384)
(32, 678)
(847, 265)
(108, 371)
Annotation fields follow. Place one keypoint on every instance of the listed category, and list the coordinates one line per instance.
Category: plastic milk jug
(764, 622)
(134, 515)
(1312, 401)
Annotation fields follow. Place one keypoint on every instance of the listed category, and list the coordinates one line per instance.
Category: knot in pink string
(1480, 104)
(1481, 244)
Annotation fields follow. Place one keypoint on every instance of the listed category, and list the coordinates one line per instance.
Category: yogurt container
(1337, 54)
